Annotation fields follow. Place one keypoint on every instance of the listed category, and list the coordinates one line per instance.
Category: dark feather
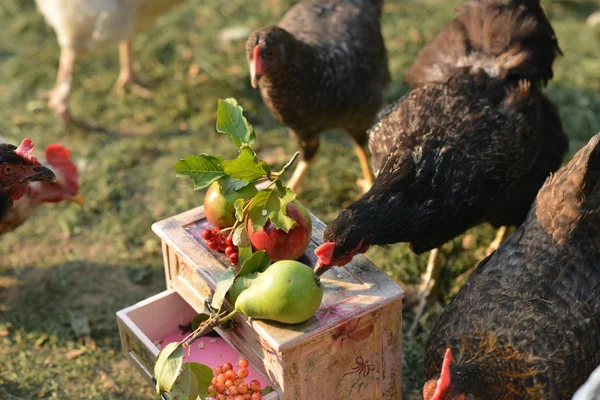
(334, 71)
(450, 155)
(527, 323)
(511, 40)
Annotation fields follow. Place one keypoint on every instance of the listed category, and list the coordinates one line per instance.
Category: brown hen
(472, 143)
(323, 67)
(527, 323)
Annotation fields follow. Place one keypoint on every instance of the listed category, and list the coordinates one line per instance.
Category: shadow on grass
(46, 299)
(42, 355)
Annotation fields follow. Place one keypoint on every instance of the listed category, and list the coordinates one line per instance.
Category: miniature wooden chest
(350, 349)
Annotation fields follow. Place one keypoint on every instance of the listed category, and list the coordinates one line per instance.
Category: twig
(289, 163)
(208, 327)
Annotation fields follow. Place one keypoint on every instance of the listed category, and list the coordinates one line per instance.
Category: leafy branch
(170, 359)
(190, 380)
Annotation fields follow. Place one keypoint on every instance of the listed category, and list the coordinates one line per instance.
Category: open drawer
(151, 324)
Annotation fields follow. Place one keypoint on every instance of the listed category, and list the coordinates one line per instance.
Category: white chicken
(86, 26)
(590, 390)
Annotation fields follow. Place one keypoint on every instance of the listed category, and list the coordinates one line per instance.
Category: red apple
(281, 245)
(218, 207)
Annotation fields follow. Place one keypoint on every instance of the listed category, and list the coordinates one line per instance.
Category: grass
(67, 263)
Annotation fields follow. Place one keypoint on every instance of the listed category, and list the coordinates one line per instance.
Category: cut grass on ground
(67, 263)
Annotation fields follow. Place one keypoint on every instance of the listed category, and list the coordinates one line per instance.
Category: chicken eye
(7, 170)
(271, 54)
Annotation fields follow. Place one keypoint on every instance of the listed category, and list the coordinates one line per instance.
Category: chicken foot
(500, 236)
(127, 78)
(365, 183)
(428, 283)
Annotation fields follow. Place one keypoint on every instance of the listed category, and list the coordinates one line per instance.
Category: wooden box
(350, 349)
(155, 322)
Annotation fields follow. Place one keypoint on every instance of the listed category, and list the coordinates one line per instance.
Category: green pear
(288, 291)
(240, 284)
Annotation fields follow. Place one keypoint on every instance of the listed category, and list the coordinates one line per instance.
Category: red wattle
(17, 192)
(325, 252)
(257, 63)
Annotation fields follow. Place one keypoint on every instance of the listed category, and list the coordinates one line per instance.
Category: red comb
(325, 252)
(24, 151)
(443, 382)
(58, 158)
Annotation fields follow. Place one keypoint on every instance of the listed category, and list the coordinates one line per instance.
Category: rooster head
(341, 242)
(18, 168)
(66, 186)
(265, 50)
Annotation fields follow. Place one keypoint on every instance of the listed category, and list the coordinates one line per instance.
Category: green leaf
(259, 261)
(204, 375)
(281, 188)
(203, 169)
(272, 204)
(265, 167)
(186, 385)
(198, 320)
(267, 390)
(230, 119)
(240, 236)
(238, 205)
(244, 253)
(167, 366)
(264, 203)
(230, 185)
(222, 288)
(245, 168)
(279, 218)
(282, 221)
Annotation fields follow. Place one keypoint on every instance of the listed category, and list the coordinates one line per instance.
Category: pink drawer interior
(159, 320)
(211, 351)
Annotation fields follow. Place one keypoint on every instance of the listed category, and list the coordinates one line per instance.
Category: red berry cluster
(229, 385)
(218, 241)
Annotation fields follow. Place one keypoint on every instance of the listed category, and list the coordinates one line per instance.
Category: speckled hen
(472, 143)
(527, 323)
(323, 67)
(18, 168)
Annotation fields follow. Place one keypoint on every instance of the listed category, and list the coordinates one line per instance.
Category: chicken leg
(127, 78)
(59, 96)
(500, 236)
(299, 172)
(365, 183)
(428, 283)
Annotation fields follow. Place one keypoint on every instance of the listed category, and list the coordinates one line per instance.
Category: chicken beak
(78, 199)
(43, 175)
(321, 268)
(257, 67)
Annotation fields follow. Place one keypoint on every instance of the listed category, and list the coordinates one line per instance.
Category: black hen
(17, 169)
(527, 323)
(323, 67)
(472, 144)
